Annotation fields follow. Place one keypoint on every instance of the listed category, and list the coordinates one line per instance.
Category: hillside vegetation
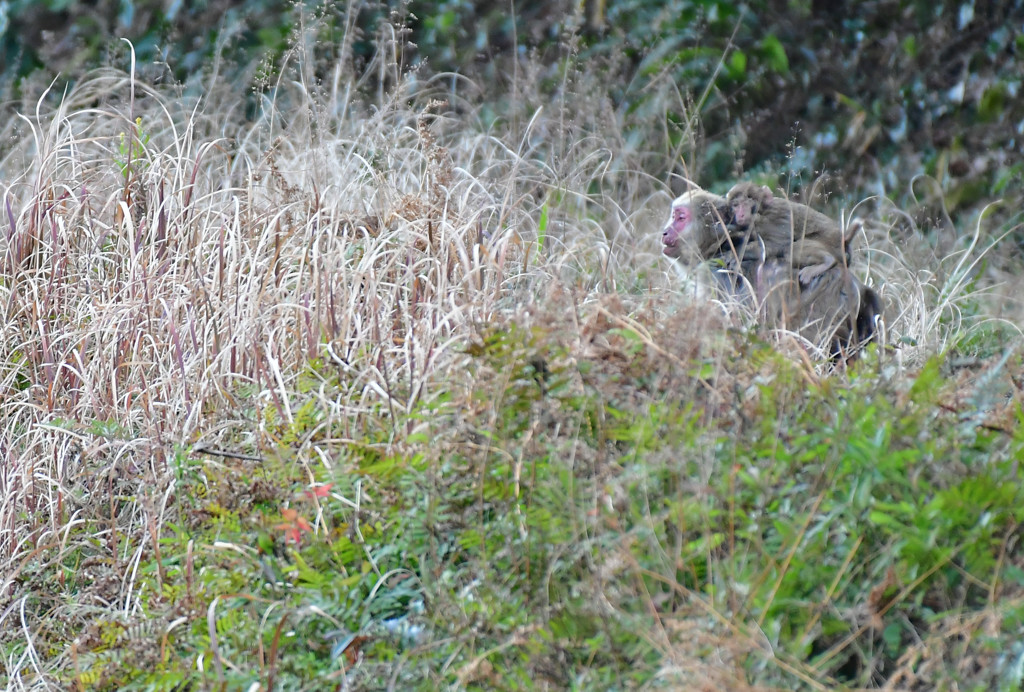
(369, 375)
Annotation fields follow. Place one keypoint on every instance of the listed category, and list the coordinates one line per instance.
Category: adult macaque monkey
(812, 241)
(831, 304)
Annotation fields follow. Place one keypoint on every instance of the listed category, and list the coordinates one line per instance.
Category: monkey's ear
(766, 193)
(852, 229)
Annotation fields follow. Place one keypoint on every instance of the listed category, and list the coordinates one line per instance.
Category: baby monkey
(812, 241)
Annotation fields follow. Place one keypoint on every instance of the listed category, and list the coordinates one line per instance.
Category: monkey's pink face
(679, 221)
(743, 213)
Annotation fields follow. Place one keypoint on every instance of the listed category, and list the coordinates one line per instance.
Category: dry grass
(171, 270)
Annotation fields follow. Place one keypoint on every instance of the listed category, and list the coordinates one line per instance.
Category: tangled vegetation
(374, 377)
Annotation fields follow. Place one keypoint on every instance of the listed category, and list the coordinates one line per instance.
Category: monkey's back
(784, 220)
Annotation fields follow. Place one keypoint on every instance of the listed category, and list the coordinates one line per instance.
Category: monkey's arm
(810, 273)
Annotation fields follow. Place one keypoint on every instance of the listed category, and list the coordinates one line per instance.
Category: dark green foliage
(71, 37)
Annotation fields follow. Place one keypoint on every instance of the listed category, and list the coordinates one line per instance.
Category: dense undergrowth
(388, 389)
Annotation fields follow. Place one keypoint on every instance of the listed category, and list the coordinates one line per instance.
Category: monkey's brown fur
(812, 241)
(834, 305)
